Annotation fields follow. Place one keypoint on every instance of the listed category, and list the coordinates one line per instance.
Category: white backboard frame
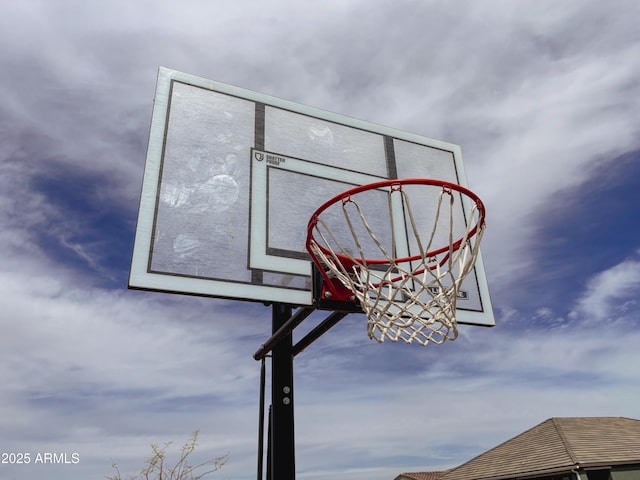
(250, 189)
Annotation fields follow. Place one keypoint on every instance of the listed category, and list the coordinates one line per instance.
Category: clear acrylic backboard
(232, 177)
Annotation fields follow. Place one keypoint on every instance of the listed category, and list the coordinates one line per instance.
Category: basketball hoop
(407, 280)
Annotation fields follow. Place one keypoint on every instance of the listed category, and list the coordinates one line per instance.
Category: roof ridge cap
(557, 424)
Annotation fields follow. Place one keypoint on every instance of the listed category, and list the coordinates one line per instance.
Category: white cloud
(611, 294)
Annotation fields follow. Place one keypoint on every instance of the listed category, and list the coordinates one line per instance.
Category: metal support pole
(317, 332)
(283, 330)
(282, 427)
(261, 421)
(270, 422)
(281, 463)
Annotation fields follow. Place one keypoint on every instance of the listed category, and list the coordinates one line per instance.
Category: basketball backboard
(232, 177)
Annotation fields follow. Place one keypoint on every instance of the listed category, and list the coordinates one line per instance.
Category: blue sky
(543, 97)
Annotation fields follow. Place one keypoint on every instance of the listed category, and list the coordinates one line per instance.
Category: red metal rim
(345, 196)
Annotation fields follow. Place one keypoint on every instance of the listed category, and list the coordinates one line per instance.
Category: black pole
(282, 427)
(317, 332)
(261, 421)
(269, 443)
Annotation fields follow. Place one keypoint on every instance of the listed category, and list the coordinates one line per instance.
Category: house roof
(421, 475)
(557, 444)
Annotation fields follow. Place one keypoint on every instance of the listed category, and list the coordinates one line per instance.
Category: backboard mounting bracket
(325, 299)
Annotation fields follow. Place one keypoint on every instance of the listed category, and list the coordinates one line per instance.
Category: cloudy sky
(544, 98)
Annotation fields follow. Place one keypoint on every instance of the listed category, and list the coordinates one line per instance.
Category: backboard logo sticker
(462, 294)
(274, 160)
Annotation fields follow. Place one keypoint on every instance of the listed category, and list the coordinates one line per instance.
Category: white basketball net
(408, 300)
